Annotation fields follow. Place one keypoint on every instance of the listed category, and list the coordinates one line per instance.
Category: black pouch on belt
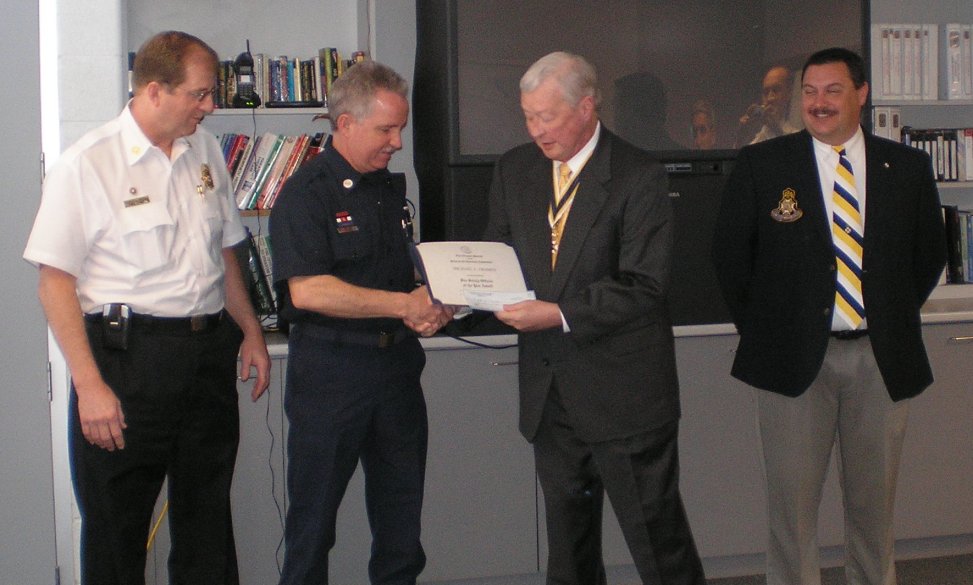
(115, 325)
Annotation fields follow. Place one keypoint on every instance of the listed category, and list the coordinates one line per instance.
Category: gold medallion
(787, 209)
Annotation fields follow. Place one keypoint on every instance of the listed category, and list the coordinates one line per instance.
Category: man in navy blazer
(598, 389)
(823, 380)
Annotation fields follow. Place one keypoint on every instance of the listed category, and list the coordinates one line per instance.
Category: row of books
(905, 61)
(260, 166)
(284, 81)
(922, 61)
(951, 150)
(959, 245)
(260, 268)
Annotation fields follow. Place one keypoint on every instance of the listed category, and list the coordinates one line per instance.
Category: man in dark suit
(827, 244)
(598, 389)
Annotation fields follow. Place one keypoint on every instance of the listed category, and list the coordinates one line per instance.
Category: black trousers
(640, 475)
(179, 398)
(348, 403)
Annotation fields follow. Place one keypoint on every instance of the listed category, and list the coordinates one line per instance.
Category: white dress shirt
(136, 226)
(827, 160)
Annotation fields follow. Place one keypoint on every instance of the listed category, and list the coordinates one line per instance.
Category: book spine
(930, 61)
(267, 263)
(895, 61)
(243, 163)
(968, 153)
(908, 63)
(967, 218)
(952, 61)
(298, 155)
(964, 244)
(276, 172)
(236, 155)
(296, 81)
(951, 140)
(263, 303)
(251, 173)
(266, 164)
(881, 121)
(954, 254)
(967, 61)
(291, 87)
(335, 63)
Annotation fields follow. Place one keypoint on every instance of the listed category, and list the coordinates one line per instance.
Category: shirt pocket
(351, 246)
(212, 215)
(147, 236)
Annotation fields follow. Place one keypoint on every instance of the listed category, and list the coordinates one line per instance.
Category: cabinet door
(257, 495)
(722, 479)
(721, 475)
(934, 495)
(479, 516)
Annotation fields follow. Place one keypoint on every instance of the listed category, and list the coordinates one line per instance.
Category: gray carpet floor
(955, 570)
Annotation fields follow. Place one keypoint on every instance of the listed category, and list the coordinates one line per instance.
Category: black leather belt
(849, 334)
(367, 339)
(169, 325)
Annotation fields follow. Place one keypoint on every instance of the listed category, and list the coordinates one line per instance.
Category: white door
(27, 544)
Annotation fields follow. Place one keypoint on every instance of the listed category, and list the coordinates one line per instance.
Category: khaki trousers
(846, 405)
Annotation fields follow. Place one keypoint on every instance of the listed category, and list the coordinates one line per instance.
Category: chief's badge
(205, 180)
(787, 209)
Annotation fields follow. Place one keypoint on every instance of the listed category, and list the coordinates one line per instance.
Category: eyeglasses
(201, 95)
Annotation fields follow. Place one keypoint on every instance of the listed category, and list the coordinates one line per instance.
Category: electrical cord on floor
(273, 481)
(155, 527)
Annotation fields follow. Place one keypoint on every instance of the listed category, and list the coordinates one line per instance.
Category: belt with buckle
(849, 334)
(381, 339)
(170, 325)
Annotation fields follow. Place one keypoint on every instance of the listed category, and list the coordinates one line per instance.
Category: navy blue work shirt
(330, 219)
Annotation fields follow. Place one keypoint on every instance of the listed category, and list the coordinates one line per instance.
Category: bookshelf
(261, 111)
(934, 113)
(920, 103)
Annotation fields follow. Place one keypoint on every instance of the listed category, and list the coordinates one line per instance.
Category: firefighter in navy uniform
(342, 265)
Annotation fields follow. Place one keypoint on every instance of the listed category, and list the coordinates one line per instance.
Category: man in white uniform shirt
(140, 285)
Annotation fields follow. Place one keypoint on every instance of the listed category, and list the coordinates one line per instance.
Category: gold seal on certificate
(453, 270)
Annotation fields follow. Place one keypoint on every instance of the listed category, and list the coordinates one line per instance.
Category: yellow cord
(162, 514)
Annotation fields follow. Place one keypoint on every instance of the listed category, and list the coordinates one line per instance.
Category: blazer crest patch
(787, 210)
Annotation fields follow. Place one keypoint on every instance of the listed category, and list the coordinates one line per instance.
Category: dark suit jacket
(778, 279)
(615, 369)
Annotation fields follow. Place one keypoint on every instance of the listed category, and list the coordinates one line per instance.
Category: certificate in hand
(451, 269)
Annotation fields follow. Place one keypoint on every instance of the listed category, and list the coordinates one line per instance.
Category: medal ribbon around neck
(557, 213)
(560, 205)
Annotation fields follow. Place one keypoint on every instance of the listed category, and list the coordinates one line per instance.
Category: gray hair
(354, 91)
(573, 73)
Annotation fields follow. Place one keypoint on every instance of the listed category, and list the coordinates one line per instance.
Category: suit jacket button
(827, 311)
(546, 362)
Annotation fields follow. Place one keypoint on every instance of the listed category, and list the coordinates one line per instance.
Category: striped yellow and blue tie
(848, 232)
